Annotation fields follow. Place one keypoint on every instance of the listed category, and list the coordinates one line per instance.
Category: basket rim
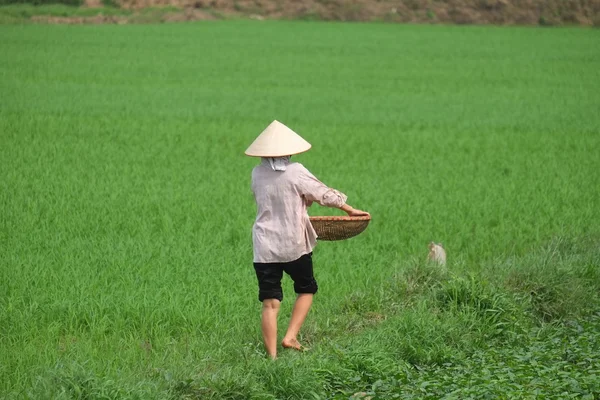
(340, 218)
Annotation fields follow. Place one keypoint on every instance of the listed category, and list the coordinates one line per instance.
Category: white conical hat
(276, 141)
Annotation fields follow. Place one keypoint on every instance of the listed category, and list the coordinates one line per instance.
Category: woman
(283, 237)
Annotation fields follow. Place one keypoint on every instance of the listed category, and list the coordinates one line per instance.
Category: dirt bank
(500, 12)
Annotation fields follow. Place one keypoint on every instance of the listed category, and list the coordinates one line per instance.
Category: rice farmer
(283, 237)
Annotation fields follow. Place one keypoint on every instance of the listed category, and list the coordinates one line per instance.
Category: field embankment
(511, 12)
(496, 12)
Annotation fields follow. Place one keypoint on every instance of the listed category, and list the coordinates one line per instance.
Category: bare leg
(270, 309)
(301, 308)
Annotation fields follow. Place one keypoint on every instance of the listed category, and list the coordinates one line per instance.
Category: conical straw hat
(276, 141)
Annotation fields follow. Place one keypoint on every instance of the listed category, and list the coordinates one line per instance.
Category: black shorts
(269, 277)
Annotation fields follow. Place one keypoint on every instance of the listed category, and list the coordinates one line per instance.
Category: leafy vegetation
(47, 3)
(20, 12)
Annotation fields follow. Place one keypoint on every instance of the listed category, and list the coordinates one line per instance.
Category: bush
(75, 3)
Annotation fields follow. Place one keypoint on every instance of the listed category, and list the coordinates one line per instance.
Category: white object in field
(437, 253)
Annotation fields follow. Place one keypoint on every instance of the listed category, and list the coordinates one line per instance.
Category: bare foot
(292, 344)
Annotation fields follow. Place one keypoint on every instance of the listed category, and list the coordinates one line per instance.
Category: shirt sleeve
(314, 190)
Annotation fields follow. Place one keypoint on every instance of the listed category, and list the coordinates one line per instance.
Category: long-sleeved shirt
(282, 231)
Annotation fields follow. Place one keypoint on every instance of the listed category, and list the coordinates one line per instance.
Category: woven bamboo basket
(339, 228)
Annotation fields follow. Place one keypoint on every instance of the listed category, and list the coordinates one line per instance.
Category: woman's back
(282, 231)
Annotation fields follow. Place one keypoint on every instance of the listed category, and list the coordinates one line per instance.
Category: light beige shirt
(282, 231)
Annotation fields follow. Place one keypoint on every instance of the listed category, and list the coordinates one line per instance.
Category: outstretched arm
(314, 190)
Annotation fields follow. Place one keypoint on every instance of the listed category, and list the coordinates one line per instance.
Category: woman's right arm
(314, 190)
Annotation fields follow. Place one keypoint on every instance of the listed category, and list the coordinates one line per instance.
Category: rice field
(126, 210)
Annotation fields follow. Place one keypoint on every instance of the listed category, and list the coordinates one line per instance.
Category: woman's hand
(358, 213)
(353, 212)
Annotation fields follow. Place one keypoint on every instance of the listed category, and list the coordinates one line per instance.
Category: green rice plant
(125, 247)
(415, 278)
(561, 282)
(474, 294)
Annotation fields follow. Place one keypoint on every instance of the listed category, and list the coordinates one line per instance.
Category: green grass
(125, 249)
